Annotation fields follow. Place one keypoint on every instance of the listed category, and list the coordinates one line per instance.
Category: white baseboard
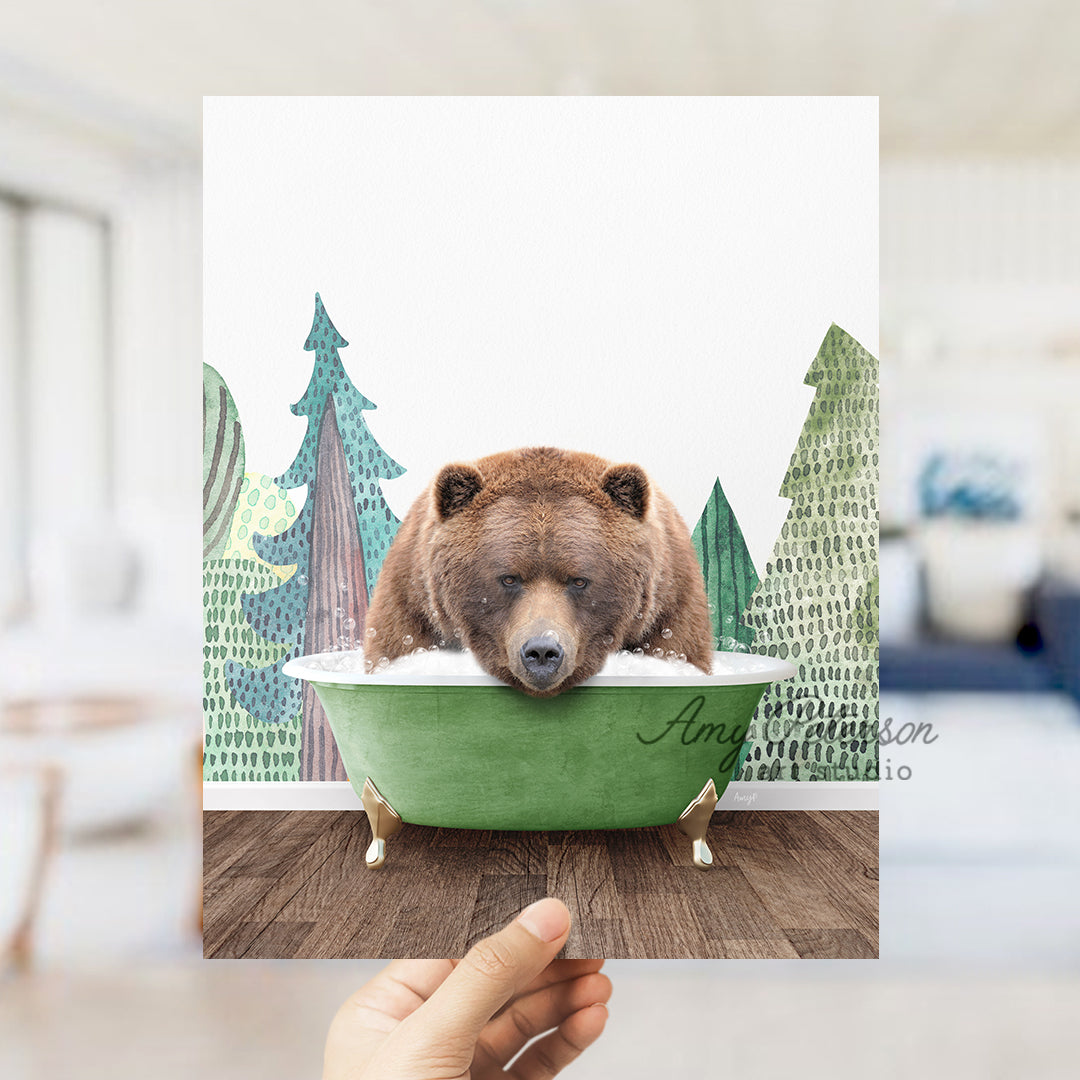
(811, 795)
(741, 795)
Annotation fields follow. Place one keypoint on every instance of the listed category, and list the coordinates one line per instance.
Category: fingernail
(547, 919)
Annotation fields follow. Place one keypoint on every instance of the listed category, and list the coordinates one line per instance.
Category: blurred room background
(100, 348)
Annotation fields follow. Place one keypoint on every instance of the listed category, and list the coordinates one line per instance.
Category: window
(56, 432)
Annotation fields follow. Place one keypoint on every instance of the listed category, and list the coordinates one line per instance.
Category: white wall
(645, 278)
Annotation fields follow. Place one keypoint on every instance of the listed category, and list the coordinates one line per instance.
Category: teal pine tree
(368, 463)
(817, 603)
(337, 543)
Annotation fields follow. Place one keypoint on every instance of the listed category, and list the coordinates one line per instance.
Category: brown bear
(541, 562)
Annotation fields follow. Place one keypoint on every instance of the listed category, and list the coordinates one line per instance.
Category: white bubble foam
(432, 664)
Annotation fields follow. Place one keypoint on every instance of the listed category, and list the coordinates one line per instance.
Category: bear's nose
(541, 656)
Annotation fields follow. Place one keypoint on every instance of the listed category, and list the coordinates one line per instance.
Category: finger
(538, 1012)
(492, 972)
(420, 977)
(561, 969)
(398, 990)
(558, 971)
(548, 1056)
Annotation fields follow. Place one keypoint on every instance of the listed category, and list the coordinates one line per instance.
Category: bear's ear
(628, 487)
(455, 487)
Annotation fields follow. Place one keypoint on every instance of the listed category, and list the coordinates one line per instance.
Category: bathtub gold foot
(694, 822)
(384, 822)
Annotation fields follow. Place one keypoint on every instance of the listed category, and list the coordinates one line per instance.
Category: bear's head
(541, 563)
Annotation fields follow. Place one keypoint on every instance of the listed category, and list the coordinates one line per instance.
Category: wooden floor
(785, 884)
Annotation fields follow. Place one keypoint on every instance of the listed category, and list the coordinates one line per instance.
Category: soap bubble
(407, 639)
(302, 578)
(350, 624)
(608, 639)
(658, 652)
(483, 600)
(427, 666)
(344, 586)
(666, 632)
(370, 631)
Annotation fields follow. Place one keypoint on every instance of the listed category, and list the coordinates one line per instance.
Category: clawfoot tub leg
(694, 821)
(384, 822)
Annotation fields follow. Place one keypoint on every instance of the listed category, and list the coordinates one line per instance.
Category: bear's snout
(542, 657)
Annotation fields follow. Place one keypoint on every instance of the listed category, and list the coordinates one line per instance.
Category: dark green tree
(730, 577)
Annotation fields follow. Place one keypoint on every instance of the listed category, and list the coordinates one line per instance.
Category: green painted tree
(730, 577)
(223, 462)
(817, 603)
(337, 542)
(238, 746)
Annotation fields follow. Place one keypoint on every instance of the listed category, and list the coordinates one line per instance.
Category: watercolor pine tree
(223, 462)
(817, 603)
(730, 577)
(237, 746)
(338, 543)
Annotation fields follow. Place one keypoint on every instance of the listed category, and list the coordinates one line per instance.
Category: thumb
(492, 972)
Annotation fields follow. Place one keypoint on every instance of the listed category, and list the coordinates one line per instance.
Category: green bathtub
(468, 752)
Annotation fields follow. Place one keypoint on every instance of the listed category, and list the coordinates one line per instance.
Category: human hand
(451, 1019)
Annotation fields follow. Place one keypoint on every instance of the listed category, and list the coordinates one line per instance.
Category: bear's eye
(509, 580)
(578, 582)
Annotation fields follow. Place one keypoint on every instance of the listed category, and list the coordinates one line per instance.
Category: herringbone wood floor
(786, 884)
